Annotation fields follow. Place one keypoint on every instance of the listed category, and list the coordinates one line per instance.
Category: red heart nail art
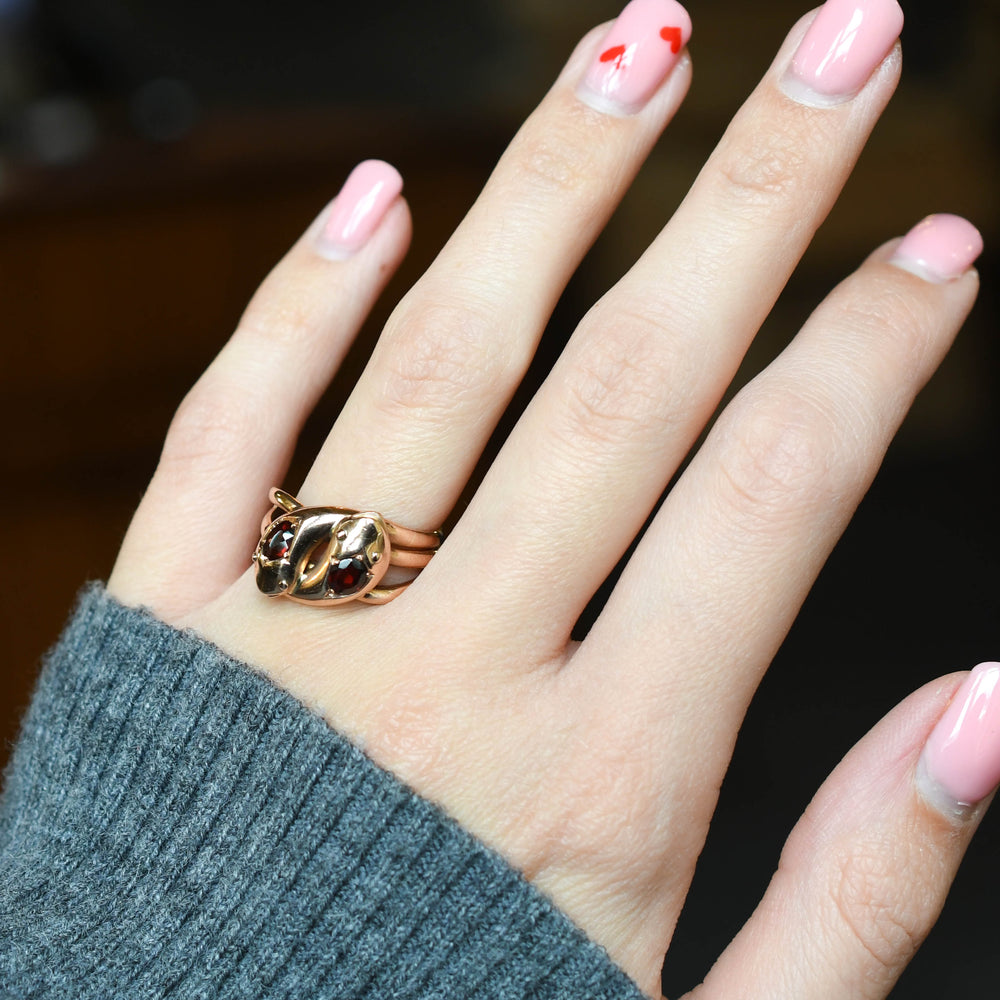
(632, 61)
(672, 35)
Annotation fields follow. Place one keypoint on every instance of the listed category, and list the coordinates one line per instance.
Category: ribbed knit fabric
(175, 826)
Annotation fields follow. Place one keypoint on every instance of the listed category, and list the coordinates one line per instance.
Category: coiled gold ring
(332, 555)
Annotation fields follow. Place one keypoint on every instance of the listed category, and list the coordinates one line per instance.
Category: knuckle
(210, 427)
(438, 357)
(761, 167)
(616, 390)
(555, 159)
(278, 324)
(782, 449)
(289, 307)
(880, 915)
(892, 317)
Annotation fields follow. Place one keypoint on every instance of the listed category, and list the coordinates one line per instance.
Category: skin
(594, 767)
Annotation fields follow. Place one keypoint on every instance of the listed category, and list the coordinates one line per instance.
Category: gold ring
(332, 555)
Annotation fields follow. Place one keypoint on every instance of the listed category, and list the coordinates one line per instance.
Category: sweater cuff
(174, 824)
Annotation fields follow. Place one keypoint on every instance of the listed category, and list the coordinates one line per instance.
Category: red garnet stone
(346, 577)
(277, 541)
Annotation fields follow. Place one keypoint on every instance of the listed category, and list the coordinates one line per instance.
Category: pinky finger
(234, 433)
(864, 874)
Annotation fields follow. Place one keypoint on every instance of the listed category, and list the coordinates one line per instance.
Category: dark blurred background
(157, 157)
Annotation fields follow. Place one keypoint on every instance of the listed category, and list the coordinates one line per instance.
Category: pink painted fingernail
(960, 765)
(842, 48)
(359, 207)
(636, 56)
(939, 249)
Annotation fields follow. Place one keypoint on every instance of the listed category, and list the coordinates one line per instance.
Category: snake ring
(332, 555)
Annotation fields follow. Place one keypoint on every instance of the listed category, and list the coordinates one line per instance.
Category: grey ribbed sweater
(174, 825)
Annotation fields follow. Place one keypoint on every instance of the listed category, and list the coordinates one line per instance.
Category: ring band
(332, 555)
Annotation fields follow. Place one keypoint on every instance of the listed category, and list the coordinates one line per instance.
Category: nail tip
(357, 211)
(843, 47)
(986, 667)
(377, 171)
(940, 248)
(959, 767)
(900, 16)
(640, 50)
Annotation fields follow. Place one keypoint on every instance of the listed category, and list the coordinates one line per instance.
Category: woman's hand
(594, 767)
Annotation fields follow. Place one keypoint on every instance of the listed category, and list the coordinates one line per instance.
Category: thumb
(865, 872)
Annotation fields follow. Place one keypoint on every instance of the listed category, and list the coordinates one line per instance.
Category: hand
(593, 767)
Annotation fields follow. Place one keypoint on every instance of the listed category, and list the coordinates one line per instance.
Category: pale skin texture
(593, 767)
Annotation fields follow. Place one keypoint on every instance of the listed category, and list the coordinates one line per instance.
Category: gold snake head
(326, 554)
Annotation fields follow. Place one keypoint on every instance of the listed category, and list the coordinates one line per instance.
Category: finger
(233, 434)
(647, 366)
(728, 560)
(865, 873)
(459, 343)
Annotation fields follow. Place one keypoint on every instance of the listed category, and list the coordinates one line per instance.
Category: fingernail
(842, 48)
(636, 56)
(960, 764)
(359, 207)
(939, 249)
